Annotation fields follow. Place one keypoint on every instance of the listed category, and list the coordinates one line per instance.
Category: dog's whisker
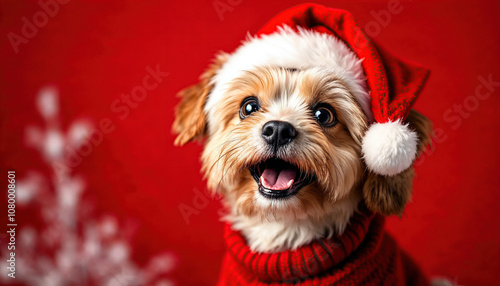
(224, 144)
(221, 145)
(222, 156)
(231, 151)
(225, 172)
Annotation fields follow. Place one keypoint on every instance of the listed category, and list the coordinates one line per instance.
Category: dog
(309, 137)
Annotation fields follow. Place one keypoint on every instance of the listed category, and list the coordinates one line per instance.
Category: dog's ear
(389, 195)
(190, 119)
(423, 126)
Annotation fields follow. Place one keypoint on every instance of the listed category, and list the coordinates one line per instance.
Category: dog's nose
(278, 133)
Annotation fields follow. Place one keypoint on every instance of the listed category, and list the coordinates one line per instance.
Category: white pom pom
(389, 148)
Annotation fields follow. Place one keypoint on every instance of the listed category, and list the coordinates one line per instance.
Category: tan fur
(423, 126)
(235, 145)
(389, 195)
(331, 154)
(190, 121)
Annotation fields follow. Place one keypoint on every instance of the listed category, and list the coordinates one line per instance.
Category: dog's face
(285, 144)
(284, 118)
(285, 141)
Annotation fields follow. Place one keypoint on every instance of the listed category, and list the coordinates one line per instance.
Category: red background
(96, 51)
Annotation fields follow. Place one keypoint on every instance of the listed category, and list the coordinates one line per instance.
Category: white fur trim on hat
(300, 49)
(389, 148)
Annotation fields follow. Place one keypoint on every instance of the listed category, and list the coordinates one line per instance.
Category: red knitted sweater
(363, 255)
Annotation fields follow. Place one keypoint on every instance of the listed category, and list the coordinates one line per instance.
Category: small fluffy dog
(310, 138)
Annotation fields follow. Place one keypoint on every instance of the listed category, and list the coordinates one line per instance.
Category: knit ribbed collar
(309, 260)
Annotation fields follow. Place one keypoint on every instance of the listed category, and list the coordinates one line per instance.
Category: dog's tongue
(277, 179)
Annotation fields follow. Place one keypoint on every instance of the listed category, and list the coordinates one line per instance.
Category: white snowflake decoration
(99, 256)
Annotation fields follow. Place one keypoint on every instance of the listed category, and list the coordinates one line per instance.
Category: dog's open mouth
(278, 179)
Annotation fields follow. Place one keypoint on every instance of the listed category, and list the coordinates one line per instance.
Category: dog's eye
(248, 106)
(325, 115)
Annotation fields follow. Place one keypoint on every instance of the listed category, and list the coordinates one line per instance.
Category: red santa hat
(384, 86)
